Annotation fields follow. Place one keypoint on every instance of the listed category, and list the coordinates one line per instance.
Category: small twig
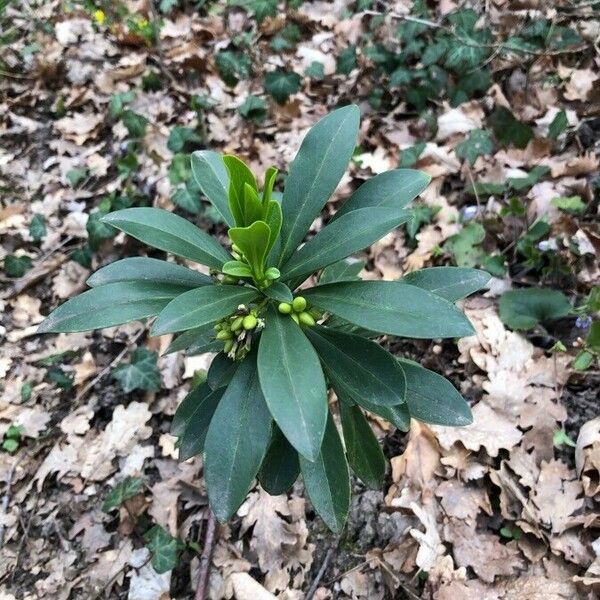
(207, 551)
(312, 590)
(6, 497)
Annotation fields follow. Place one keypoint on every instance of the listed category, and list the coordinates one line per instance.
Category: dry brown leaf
(587, 457)
(430, 543)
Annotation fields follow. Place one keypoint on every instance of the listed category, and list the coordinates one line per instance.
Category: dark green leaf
(315, 173)
(391, 307)
(195, 341)
(141, 373)
(316, 70)
(126, 489)
(346, 61)
(525, 308)
(508, 129)
(134, 123)
(280, 467)
(477, 144)
(362, 368)
(109, 305)
(343, 270)
(433, 399)
(37, 228)
(164, 549)
(17, 266)
(409, 156)
(521, 183)
(193, 418)
(254, 109)
(212, 178)
(166, 231)
(201, 306)
(237, 441)
(397, 415)
(233, 66)
(593, 338)
(293, 383)
(451, 283)
(362, 448)
(465, 245)
(278, 291)
(327, 480)
(392, 189)
(558, 125)
(281, 84)
(142, 268)
(221, 371)
(181, 138)
(350, 233)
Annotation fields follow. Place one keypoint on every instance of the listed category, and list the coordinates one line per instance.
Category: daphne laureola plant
(281, 344)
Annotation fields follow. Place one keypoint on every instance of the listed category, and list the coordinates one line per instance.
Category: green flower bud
(284, 308)
(306, 319)
(299, 304)
(229, 280)
(224, 335)
(218, 326)
(295, 317)
(272, 273)
(236, 324)
(228, 346)
(250, 322)
(236, 248)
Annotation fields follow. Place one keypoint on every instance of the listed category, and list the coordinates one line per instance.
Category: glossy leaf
(237, 441)
(239, 174)
(280, 467)
(327, 480)
(343, 270)
(253, 241)
(236, 268)
(143, 268)
(391, 307)
(211, 175)
(524, 308)
(187, 407)
(433, 399)
(279, 291)
(398, 415)
(193, 438)
(109, 305)
(270, 177)
(362, 448)
(315, 173)
(201, 306)
(274, 219)
(451, 283)
(169, 232)
(392, 189)
(195, 341)
(349, 234)
(362, 368)
(221, 370)
(293, 383)
(140, 373)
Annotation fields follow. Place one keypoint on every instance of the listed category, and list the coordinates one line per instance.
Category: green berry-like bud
(236, 248)
(236, 325)
(299, 304)
(306, 319)
(228, 346)
(272, 273)
(284, 308)
(250, 322)
(295, 317)
(224, 335)
(229, 280)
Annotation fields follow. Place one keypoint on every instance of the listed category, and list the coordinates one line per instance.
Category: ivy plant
(290, 320)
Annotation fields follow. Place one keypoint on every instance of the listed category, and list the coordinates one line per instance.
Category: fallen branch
(315, 584)
(205, 560)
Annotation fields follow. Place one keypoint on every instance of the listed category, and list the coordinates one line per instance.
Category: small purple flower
(469, 212)
(544, 246)
(583, 322)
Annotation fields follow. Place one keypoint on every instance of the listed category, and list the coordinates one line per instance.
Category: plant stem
(209, 544)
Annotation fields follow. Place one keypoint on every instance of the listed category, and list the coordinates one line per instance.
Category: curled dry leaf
(587, 457)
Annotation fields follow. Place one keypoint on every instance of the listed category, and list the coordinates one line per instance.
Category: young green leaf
(274, 219)
(239, 174)
(270, 177)
(391, 307)
(451, 283)
(392, 189)
(109, 305)
(349, 234)
(201, 306)
(362, 368)
(327, 480)
(433, 399)
(293, 383)
(315, 173)
(362, 448)
(253, 241)
(525, 308)
(193, 418)
(212, 178)
(169, 232)
(141, 373)
(236, 268)
(280, 467)
(142, 268)
(237, 441)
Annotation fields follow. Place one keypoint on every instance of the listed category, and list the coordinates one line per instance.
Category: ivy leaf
(182, 138)
(477, 144)
(524, 309)
(281, 84)
(316, 70)
(37, 228)
(346, 61)
(558, 125)
(254, 109)
(126, 489)
(572, 205)
(164, 549)
(508, 129)
(233, 66)
(409, 156)
(141, 373)
(134, 123)
(17, 266)
(464, 246)
(261, 9)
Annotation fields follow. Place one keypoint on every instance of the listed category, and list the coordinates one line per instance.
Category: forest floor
(101, 104)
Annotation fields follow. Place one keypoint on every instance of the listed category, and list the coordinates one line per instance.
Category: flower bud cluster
(300, 312)
(236, 331)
